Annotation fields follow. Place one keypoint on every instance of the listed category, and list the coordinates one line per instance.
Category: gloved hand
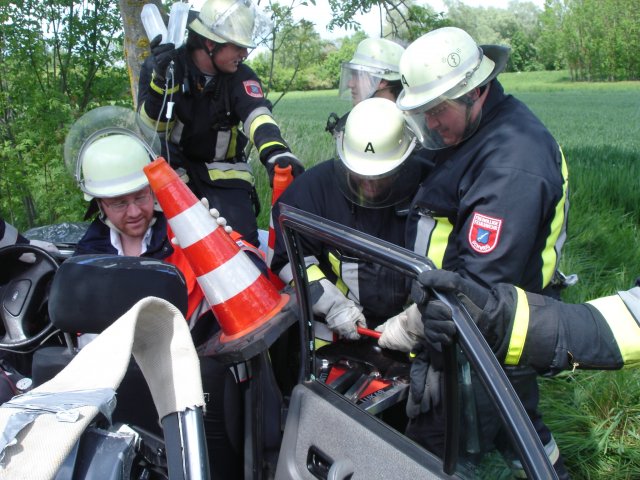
(341, 314)
(438, 324)
(283, 159)
(403, 331)
(162, 56)
(221, 221)
(424, 385)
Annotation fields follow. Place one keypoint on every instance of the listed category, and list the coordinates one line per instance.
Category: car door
(329, 436)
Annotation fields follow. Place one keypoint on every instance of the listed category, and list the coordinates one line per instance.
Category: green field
(595, 417)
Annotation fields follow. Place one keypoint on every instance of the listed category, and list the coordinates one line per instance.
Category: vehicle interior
(334, 412)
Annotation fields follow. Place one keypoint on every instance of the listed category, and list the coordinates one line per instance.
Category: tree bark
(136, 43)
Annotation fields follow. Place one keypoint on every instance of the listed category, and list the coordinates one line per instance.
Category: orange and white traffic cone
(242, 299)
(281, 180)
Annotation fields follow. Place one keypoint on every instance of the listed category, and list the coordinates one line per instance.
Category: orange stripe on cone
(241, 298)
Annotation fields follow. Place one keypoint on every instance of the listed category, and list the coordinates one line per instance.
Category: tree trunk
(136, 43)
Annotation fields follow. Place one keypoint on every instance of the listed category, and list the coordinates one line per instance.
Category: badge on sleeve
(484, 232)
(253, 88)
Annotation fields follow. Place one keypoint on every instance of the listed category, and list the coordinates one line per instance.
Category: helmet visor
(444, 124)
(358, 83)
(107, 119)
(242, 24)
(379, 191)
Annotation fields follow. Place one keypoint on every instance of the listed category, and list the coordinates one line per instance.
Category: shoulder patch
(484, 232)
(253, 88)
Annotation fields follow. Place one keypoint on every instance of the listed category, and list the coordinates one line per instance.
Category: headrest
(90, 292)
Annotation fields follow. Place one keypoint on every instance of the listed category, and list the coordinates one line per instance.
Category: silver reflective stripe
(253, 115)
(223, 140)
(285, 273)
(176, 132)
(631, 299)
(226, 166)
(426, 224)
(10, 235)
(349, 275)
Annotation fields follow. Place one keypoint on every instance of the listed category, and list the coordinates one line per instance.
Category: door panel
(333, 438)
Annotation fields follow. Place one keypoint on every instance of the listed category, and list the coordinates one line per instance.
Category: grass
(595, 416)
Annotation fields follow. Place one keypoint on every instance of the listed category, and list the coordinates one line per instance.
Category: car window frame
(295, 223)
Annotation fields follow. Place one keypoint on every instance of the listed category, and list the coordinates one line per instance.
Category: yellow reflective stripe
(161, 90)
(623, 325)
(551, 249)
(439, 240)
(336, 268)
(314, 273)
(231, 175)
(258, 122)
(270, 144)
(156, 125)
(233, 143)
(519, 330)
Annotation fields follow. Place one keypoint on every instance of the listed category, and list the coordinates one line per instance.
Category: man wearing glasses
(129, 223)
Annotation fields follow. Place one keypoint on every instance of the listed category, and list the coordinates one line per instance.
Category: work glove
(341, 314)
(283, 159)
(439, 327)
(221, 221)
(424, 385)
(162, 54)
(403, 331)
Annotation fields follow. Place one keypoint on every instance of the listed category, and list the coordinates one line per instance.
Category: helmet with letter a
(375, 167)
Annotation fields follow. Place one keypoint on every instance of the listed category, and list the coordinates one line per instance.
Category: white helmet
(440, 66)
(374, 60)
(232, 21)
(373, 170)
(112, 163)
(105, 150)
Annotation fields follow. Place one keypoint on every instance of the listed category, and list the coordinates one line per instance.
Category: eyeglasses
(121, 205)
(438, 110)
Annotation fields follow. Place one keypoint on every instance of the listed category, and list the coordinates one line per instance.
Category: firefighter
(110, 174)
(197, 96)
(524, 328)
(368, 188)
(9, 235)
(494, 206)
(372, 72)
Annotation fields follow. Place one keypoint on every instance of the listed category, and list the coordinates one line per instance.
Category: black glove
(424, 386)
(283, 159)
(162, 56)
(438, 324)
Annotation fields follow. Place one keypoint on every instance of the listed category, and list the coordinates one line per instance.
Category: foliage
(303, 61)
(517, 27)
(402, 19)
(57, 59)
(598, 39)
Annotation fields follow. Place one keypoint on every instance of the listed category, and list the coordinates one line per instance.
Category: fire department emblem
(484, 232)
(253, 88)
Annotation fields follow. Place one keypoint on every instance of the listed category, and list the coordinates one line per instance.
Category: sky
(320, 14)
